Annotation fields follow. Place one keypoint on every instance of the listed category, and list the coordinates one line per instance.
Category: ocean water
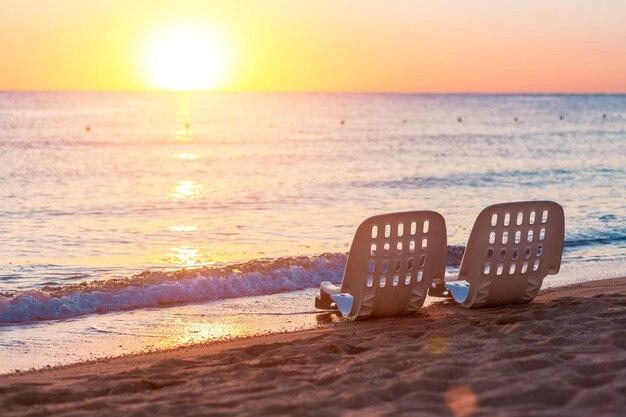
(138, 221)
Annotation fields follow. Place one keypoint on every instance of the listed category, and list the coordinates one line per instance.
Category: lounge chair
(392, 262)
(511, 249)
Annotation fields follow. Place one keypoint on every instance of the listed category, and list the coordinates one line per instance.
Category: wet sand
(562, 354)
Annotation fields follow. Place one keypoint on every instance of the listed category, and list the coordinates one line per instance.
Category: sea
(134, 222)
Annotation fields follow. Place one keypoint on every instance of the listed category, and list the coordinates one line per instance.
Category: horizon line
(372, 92)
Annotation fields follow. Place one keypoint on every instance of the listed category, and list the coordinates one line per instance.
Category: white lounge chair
(392, 262)
(511, 249)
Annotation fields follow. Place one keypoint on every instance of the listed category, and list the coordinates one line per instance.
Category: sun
(186, 58)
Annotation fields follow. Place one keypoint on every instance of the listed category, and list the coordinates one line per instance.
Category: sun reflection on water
(183, 135)
(187, 156)
(187, 256)
(184, 228)
(186, 189)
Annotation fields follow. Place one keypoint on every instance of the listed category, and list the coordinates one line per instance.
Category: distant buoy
(604, 116)
(561, 117)
(87, 129)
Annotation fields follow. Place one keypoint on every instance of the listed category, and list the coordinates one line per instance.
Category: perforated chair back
(392, 262)
(511, 249)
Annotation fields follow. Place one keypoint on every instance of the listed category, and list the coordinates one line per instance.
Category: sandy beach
(562, 354)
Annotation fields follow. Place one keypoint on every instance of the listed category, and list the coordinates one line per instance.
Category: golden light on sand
(182, 332)
(197, 332)
(186, 58)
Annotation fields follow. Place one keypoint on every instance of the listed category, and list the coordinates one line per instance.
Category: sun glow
(186, 58)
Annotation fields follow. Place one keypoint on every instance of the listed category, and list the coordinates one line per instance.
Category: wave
(158, 288)
(513, 178)
(607, 239)
(154, 288)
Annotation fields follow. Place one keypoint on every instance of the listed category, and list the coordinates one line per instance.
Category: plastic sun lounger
(391, 265)
(511, 249)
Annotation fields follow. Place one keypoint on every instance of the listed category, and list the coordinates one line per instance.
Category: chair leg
(324, 302)
(439, 290)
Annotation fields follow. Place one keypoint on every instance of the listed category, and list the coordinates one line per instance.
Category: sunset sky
(314, 45)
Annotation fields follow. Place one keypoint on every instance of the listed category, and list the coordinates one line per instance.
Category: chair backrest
(392, 262)
(512, 248)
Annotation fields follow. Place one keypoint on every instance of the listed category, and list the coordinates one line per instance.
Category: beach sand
(562, 354)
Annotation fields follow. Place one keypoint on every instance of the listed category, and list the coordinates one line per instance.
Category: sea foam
(153, 289)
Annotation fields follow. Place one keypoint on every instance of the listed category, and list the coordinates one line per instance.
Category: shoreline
(142, 338)
(563, 353)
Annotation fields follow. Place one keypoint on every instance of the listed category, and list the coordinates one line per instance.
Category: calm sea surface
(104, 186)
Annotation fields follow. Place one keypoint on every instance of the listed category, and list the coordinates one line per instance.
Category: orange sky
(325, 45)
